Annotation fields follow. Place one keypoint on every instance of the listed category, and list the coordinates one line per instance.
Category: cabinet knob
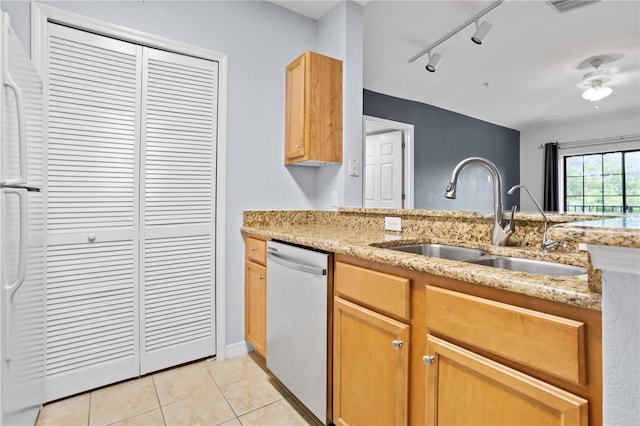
(261, 277)
(298, 146)
(428, 359)
(397, 344)
(252, 249)
(91, 237)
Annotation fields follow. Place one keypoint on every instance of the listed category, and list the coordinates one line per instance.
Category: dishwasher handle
(284, 261)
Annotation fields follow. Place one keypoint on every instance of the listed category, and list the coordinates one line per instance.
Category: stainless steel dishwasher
(297, 314)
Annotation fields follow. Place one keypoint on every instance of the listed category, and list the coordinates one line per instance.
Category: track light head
(481, 32)
(433, 62)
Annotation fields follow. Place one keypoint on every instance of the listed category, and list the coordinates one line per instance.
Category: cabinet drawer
(548, 343)
(255, 250)
(382, 292)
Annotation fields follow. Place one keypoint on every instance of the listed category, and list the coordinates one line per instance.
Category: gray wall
(260, 39)
(442, 139)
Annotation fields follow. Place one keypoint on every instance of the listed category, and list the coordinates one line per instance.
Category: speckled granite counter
(360, 233)
(615, 231)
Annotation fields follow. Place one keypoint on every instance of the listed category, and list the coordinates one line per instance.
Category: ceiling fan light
(597, 92)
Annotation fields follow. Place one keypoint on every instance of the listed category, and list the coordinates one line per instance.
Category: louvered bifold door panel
(92, 254)
(178, 208)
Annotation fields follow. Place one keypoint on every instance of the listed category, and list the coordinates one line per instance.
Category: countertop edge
(544, 287)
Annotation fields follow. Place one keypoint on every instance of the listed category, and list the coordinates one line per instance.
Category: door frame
(407, 154)
(41, 14)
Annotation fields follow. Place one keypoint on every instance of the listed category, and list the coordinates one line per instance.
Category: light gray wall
(532, 157)
(340, 34)
(260, 39)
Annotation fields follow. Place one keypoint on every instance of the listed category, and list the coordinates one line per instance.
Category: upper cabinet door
(313, 111)
(297, 117)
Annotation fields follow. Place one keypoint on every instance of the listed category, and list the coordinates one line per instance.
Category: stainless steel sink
(528, 265)
(441, 251)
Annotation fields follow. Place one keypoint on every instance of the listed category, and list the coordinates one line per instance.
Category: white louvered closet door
(92, 325)
(177, 208)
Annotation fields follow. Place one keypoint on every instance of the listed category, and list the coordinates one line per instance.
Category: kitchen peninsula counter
(360, 233)
(607, 231)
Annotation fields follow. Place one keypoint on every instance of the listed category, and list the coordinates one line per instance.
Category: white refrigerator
(22, 188)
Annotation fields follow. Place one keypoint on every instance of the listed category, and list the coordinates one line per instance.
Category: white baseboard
(236, 349)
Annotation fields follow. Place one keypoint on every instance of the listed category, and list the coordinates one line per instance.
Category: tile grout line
(155, 388)
(223, 396)
(89, 409)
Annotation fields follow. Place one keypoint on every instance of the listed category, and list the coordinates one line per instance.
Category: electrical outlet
(392, 224)
(334, 198)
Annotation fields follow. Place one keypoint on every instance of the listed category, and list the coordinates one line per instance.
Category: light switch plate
(353, 168)
(392, 224)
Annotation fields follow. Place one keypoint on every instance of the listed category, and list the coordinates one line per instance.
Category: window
(603, 182)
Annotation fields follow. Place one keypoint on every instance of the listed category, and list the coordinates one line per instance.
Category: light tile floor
(234, 392)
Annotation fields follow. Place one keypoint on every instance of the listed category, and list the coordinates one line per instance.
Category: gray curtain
(550, 202)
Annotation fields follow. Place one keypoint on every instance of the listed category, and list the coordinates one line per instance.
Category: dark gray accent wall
(442, 139)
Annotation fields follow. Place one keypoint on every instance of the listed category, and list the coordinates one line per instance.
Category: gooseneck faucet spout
(501, 233)
(546, 244)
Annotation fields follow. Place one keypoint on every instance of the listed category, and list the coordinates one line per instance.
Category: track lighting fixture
(433, 61)
(481, 32)
(478, 36)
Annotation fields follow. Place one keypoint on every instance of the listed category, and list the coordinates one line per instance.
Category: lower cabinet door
(371, 367)
(255, 306)
(464, 388)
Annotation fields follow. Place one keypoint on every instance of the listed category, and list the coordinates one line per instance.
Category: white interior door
(131, 231)
(178, 209)
(92, 253)
(383, 170)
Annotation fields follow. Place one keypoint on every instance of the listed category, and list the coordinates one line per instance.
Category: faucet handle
(512, 225)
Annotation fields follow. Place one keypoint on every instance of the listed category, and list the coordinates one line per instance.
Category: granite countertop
(607, 231)
(341, 232)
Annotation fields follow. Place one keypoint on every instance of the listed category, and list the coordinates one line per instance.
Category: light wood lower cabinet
(256, 306)
(371, 367)
(371, 348)
(255, 294)
(464, 388)
(499, 358)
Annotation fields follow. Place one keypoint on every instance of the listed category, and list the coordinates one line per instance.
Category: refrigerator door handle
(12, 288)
(22, 135)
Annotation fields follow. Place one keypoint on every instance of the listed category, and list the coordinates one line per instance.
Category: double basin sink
(481, 257)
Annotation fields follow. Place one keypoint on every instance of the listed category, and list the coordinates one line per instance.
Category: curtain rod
(589, 142)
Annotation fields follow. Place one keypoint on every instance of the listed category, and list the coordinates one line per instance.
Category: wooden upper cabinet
(313, 110)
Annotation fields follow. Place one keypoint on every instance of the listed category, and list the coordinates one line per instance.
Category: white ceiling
(525, 74)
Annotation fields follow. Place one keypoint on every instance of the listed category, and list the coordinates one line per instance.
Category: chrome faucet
(501, 233)
(546, 244)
